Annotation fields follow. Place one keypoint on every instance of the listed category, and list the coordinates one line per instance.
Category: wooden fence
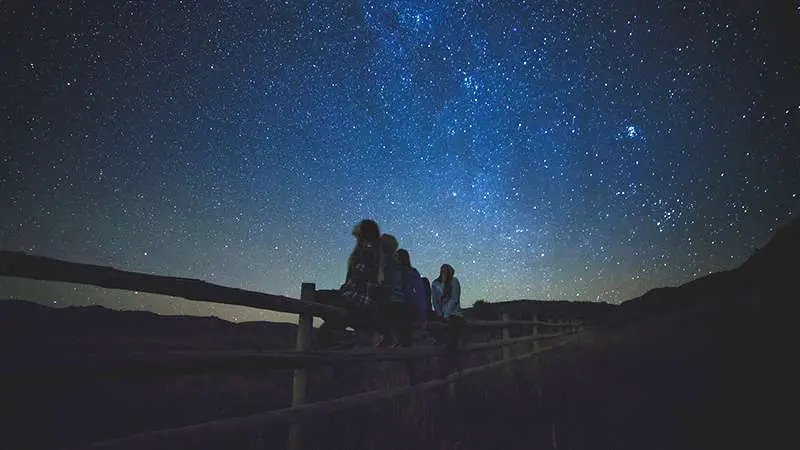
(311, 304)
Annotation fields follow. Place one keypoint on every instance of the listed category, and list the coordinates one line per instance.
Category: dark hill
(547, 310)
(775, 265)
(703, 366)
(25, 325)
(772, 270)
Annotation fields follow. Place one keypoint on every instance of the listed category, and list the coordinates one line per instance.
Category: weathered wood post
(300, 380)
(506, 336)
(451, 391)
(535, 360)
(506, 347)
(453, 362)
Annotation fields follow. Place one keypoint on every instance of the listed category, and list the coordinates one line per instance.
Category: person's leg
(334, 328)
(382, 324)
(362, 324)
(332, 298)
(330, 331)
(454, 331)
(325, 332)
(409, 316)
(450, 337)
(364, 321)
(393, 318)
(439, 333)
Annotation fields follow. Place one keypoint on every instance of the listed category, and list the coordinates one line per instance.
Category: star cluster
(546, 149)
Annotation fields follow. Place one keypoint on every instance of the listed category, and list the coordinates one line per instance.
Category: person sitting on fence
(360, 292)
(416, 304)
(426, 283)
(430, 313)
(392, 306)
(446, 298)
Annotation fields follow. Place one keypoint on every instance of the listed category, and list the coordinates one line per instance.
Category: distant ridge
(33, 323)
(770, 273)
(546, 310)
(776, 264)
(773, 271)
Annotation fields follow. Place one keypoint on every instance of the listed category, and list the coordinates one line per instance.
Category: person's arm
(452, 305)
(456, 296)
(420, 299)
(409, 288)
(436, 296)
(363, 265)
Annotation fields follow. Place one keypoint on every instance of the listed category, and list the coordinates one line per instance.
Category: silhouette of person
(415, 295)
(446, 298)
(361, 290)
(392, 305)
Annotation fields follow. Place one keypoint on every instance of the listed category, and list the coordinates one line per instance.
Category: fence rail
(184, 437)
(23, 265)
(17, 264)
(66, 368)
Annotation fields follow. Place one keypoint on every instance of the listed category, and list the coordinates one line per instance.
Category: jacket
(450, 306)
(393, 277)
(414, 292)
(361, 288)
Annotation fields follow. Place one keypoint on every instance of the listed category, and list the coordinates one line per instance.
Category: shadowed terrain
(704, 365)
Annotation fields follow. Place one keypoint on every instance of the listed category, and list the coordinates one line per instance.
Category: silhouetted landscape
(195, 169)
(702, 365)
(86, 326)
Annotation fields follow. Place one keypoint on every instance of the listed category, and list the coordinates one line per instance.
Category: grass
(708, 378)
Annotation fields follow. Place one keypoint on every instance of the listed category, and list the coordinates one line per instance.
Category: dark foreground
(706, 365)
(712, 376)
(716, 376)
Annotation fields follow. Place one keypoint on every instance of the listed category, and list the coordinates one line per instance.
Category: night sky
(546, 149)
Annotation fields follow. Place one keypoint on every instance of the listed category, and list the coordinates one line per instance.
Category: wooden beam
(68, 368)
(512, 341)
(22, 265)
(300, 380)
(511, 323)
(506, 336)
(62, 368)
(217, 430)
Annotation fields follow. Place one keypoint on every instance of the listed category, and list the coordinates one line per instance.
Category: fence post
(509, 370)
(300, 380)
(506, 336)
(453, 362)
(535, 360)
(451, 391)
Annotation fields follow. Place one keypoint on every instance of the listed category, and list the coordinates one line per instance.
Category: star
(587, 153)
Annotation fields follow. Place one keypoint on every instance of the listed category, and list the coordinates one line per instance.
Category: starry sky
(546, 149)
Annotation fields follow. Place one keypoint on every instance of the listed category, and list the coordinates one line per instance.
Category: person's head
(405, 258)
(367, 230)
(388, 243)
(446, 273)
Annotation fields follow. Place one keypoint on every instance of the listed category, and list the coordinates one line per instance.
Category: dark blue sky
(545, 149)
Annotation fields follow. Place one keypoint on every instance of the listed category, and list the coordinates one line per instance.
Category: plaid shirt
(361, 288)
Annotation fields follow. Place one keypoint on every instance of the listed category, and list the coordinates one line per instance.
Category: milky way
(547, 150)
